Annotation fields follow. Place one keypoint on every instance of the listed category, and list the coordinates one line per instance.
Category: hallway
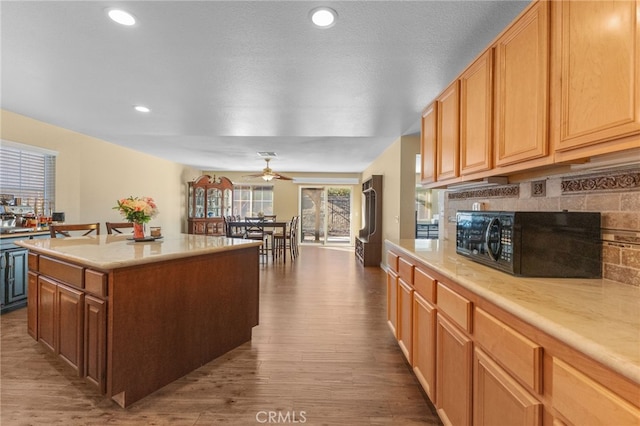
(322, 355)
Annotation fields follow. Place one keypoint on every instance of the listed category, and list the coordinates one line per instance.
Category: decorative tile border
(627, 180)
(539, 188)
(507, 191)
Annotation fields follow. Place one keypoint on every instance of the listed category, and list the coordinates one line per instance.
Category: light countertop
(600, 318)
(108, 252)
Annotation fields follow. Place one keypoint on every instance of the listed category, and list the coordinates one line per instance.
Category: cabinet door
(32, 305)
(70, 326)
(428, 144)
(405, 319)
(3, 278)
(599, 53)
(476, 104)
(453, 373)
(392, 301)
(499, 399)
(448, 133)
(16, 275)
(522, 87)
(47, 312)
(584, 401)
(424, 344)
(95, 341)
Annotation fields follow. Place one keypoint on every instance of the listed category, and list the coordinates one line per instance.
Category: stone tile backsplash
(614, 193)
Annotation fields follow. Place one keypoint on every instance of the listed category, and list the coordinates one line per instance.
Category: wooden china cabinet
(210, 198)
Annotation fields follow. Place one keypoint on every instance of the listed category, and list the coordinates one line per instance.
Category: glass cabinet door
(228, 198)
(190, 203)
(199, 204)
(214, 202)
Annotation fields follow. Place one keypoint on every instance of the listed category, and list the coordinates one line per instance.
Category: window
(251, 200)
(28, 174)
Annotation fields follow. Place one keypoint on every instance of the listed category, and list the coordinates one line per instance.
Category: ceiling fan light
(267, 178)
(323, 17)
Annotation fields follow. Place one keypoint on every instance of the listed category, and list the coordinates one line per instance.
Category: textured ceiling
(225, 80)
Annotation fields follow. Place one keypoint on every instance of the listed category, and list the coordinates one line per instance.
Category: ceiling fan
(268, 174)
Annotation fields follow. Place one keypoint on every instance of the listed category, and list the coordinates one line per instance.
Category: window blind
(28, 176)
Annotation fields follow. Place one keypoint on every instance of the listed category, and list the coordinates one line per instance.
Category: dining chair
(254, 230)
(287, 240)
(116, 227)
(231, 231)
(65, 230)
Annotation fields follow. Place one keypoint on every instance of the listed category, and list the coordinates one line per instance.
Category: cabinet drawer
(455, 306)
(425, 285)
(62, 271)
(33, 262)
(521, 356)
(392, 261)
(405, 270)
(583, 401)
(95, 282)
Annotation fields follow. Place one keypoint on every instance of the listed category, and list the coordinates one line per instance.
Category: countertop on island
(107, 252)
(596, 316)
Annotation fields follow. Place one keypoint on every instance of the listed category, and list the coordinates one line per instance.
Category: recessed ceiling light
(121, 17)
(323, 17)
(141, 108)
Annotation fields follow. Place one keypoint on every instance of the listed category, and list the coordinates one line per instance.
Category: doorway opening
(325, 214)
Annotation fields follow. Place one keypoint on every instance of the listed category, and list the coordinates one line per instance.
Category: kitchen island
(132, 316)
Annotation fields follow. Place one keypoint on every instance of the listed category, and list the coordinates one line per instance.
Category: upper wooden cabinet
(596, 73)
(428, 144)
(522, 88)
(448, 133)
(476, 105)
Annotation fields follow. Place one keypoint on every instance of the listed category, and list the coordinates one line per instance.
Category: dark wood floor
(322, 355)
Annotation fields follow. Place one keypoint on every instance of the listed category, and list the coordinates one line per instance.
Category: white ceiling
(225, 80)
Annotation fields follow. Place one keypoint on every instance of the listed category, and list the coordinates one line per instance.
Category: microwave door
(492, 238)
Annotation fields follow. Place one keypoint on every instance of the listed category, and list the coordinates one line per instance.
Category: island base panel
(167, 319)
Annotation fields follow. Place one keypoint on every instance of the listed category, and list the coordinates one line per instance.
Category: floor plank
(322, 355)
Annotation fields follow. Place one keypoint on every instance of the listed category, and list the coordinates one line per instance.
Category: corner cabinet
(210, 199)
(369, 240)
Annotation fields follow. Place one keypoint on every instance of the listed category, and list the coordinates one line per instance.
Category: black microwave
(532, 244)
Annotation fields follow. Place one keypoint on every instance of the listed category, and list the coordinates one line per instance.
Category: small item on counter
(156, 231)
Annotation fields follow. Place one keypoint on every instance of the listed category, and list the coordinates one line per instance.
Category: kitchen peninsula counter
(597, 317)
(131, 316)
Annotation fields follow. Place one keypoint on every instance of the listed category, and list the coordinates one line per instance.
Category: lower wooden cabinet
(47, 312)
(483, 366)
(32, 300)
(453, 373)
(69, 319)
(95, 341)
(69, 325)
(405, 319)
(583, 401)
(498, 399)
(424, 344)
(392, 301)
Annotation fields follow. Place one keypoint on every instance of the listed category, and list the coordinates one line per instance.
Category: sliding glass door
(325, 214)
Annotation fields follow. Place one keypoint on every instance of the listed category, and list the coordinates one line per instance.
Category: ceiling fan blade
(281, 177)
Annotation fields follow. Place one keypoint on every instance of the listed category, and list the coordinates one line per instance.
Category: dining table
(272, 225)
